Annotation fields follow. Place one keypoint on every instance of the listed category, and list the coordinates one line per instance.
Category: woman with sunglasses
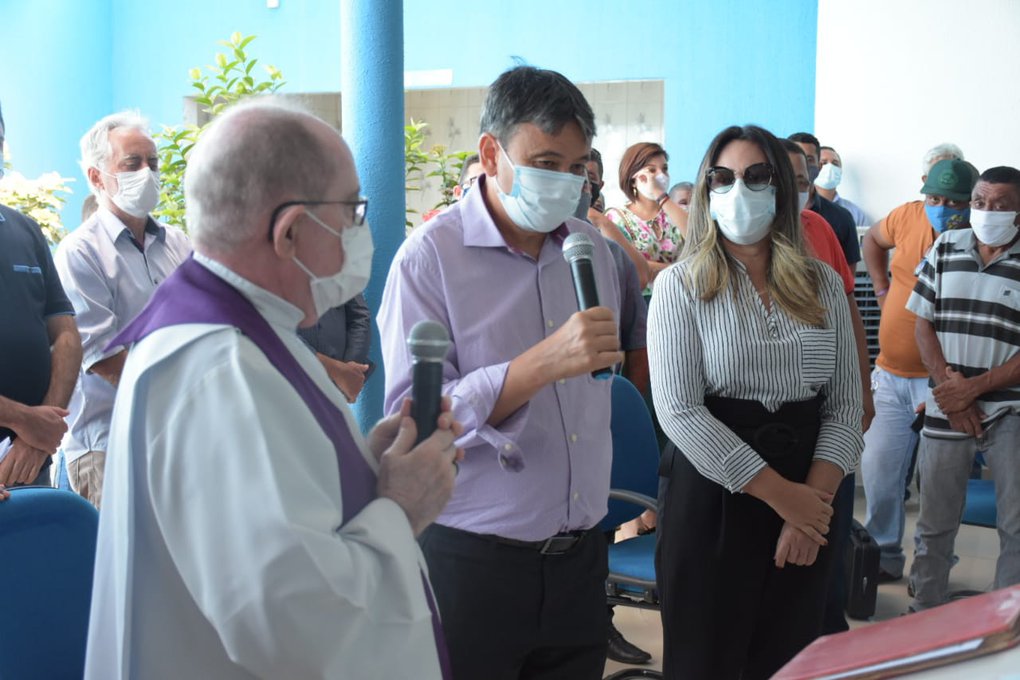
(650, 220)
(755, 381)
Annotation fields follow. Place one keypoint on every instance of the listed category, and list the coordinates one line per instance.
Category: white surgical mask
(540, 200)
(829, 176)
(332, 291)
(137, 191)
(654, 188)
(993, 228)
(802, 199)
(743, 216)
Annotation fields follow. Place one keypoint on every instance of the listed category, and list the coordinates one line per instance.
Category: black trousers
(510, 612)
(727, 611)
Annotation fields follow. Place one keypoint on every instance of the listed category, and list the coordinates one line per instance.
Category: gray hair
(681, 186)
(938, 153)
(256, 155)
(95, 144)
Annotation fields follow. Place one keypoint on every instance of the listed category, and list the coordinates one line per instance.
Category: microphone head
(578, 246)
(428, 341)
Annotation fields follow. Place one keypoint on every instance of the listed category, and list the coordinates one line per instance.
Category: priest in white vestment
(247, 530)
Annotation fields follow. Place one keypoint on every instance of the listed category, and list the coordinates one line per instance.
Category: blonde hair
(793, 277)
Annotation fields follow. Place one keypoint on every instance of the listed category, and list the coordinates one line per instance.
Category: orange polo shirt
(910, 232)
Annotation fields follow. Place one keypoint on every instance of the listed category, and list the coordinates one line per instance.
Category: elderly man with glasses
(249, 530)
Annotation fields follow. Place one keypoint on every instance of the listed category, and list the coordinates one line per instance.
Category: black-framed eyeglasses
(360, 210)
(756, 177)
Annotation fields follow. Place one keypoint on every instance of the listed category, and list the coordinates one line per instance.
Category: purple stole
(193, 294)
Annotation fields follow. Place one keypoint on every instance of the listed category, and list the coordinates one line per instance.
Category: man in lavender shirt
(516, 560)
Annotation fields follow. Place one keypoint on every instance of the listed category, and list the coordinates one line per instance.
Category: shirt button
(573, 437)
(508, 447)
(562, 381)
(549, 323)
(576, 496)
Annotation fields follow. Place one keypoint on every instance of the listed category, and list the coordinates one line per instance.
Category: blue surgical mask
(540, 200)
(943, 218)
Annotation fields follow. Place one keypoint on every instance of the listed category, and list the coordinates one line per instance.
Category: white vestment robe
(221, 552)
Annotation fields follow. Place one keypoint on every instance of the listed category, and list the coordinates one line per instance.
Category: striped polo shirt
(975, 309)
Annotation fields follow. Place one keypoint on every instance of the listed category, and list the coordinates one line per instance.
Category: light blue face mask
(942, 217)
(540, 200)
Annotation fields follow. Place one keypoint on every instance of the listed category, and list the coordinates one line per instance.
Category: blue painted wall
(55, 73)
(736, 61)
(68, 62)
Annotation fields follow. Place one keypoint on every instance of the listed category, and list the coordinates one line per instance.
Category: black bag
(861, 573)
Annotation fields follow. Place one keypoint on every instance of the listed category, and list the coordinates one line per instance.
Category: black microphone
(428, 344)
(578, 250)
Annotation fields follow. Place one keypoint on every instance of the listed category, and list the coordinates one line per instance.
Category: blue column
(372, 116)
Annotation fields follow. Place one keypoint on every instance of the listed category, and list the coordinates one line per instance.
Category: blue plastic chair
(634, 481)
(47, 550)
(979, 509)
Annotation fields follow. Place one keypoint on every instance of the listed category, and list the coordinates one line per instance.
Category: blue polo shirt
(30, 293)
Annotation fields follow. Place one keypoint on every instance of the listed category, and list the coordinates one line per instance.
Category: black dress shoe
(624, 652)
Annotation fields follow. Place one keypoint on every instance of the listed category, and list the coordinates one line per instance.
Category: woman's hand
(805, 508)
(647, 186)
(794, 547)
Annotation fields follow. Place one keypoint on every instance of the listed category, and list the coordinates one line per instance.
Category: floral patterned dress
(642, 233)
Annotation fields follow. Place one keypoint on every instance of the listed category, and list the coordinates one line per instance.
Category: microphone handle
(426, 397)
(587, 294)
(584, 284)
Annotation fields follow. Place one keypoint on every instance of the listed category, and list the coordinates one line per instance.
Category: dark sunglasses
(756, 177)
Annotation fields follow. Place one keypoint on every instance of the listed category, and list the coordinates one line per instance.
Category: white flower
(38, 198)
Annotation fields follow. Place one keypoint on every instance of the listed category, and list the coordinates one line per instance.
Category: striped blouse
(733, 346)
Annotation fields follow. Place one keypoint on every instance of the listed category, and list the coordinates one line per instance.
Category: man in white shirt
(248, 530)
(110, 266)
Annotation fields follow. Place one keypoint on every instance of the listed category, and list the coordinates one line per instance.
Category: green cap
(951, 178)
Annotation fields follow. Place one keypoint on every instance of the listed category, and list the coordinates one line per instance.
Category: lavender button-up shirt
(545, 469)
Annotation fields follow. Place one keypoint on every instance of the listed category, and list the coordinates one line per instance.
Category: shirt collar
(480, 229)
(274, 308)
(114, 228)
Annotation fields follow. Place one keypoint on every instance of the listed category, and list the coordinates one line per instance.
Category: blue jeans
(60, 472)
(888, 447)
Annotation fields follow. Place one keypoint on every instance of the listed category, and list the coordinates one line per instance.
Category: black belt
(554, 545)
(782, 437)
